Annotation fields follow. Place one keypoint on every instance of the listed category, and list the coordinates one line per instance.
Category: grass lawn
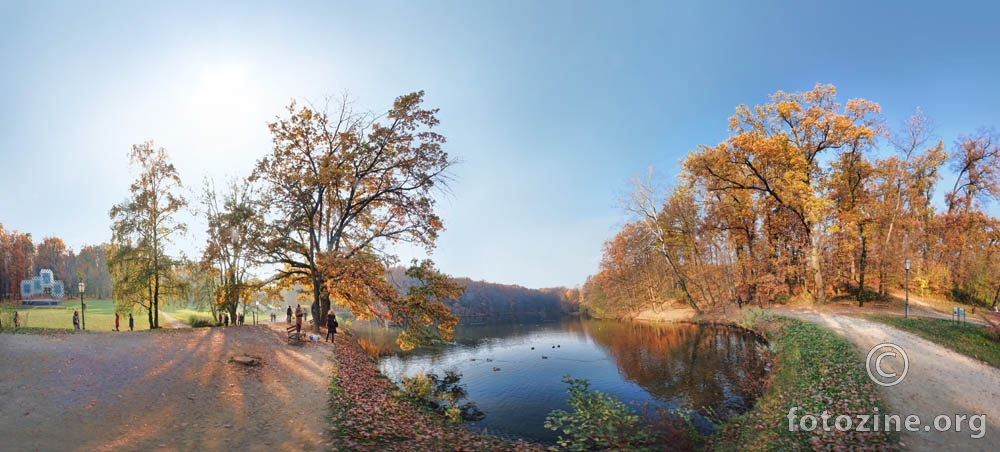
(100, 316)
(966, 338)
(815, 370)
(187, 314)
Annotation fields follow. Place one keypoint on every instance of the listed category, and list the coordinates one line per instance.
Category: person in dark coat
(288, 314)
(331, 326)
(131, 322)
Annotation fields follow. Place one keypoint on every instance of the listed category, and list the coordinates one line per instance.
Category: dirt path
(166, 390)
(170, 322)
(922, 308)
(938, 382)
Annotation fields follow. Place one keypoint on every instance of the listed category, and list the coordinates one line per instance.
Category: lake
(513, 373)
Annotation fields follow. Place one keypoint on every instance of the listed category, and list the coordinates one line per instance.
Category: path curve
(939, 382)
(168, 321)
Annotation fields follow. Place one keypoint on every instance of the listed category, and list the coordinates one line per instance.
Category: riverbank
(815, 372)
(369, 414)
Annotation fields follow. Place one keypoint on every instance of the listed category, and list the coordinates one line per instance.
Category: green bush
(418, 387)
(197, 321)
(598, 421)
(442, 394)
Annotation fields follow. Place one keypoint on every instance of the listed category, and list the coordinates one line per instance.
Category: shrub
(197, 321)
(598, 421)
(418, 387)
(442, 394)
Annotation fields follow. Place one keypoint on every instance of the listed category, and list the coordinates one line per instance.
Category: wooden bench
(880, 305)
(292, 334)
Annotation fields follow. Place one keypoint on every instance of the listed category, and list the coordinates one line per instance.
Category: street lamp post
(83, 310)
(906, 265)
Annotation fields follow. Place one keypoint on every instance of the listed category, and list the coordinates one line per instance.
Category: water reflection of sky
(516, 387)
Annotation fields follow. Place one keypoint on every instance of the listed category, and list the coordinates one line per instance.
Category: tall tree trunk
(861, 264)
(680, 281)
(317, 279)
(149, 310)
(814, 262)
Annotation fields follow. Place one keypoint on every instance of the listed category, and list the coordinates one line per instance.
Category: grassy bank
(966, 338)
(816, 371)
(200, 317)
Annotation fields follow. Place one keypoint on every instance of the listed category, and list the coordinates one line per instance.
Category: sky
(551, 106)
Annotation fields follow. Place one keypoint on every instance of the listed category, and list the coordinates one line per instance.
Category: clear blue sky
(551, 105)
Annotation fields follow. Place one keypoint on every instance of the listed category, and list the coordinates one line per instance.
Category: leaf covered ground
(368, 415)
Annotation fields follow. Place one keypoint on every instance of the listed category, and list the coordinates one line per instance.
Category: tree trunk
(814, 262)
(861, 266)
(681, 282)
(317, 279)
(156, 300)
(149, 310)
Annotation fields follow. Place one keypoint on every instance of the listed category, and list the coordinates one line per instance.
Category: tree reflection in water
(716, 370)
(707, 372)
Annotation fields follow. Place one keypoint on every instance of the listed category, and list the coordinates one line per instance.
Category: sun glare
(223, 86)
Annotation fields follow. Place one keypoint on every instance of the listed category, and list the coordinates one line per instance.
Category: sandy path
(170, 322)
(938, 382)
(167, 390)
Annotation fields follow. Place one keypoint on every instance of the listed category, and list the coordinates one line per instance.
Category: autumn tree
(966, 231)
(92, 263)
(51, 254)
(775, 151)
(16, 254)
(340, 185)
(422, 313)
(235, 225)
(142, 226)
(797, 200)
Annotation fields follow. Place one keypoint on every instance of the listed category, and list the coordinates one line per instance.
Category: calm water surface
(696, 368)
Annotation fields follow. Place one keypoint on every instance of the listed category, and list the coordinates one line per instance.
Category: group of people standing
(300, 314)
(237, 319)
(76, 321)
(131, 322)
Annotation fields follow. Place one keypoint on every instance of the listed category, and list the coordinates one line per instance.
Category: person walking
(117, 323)
(225, 320)
(288, 313)
(131, 322)
(17, 319)
(76, 320)
(331, 326)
